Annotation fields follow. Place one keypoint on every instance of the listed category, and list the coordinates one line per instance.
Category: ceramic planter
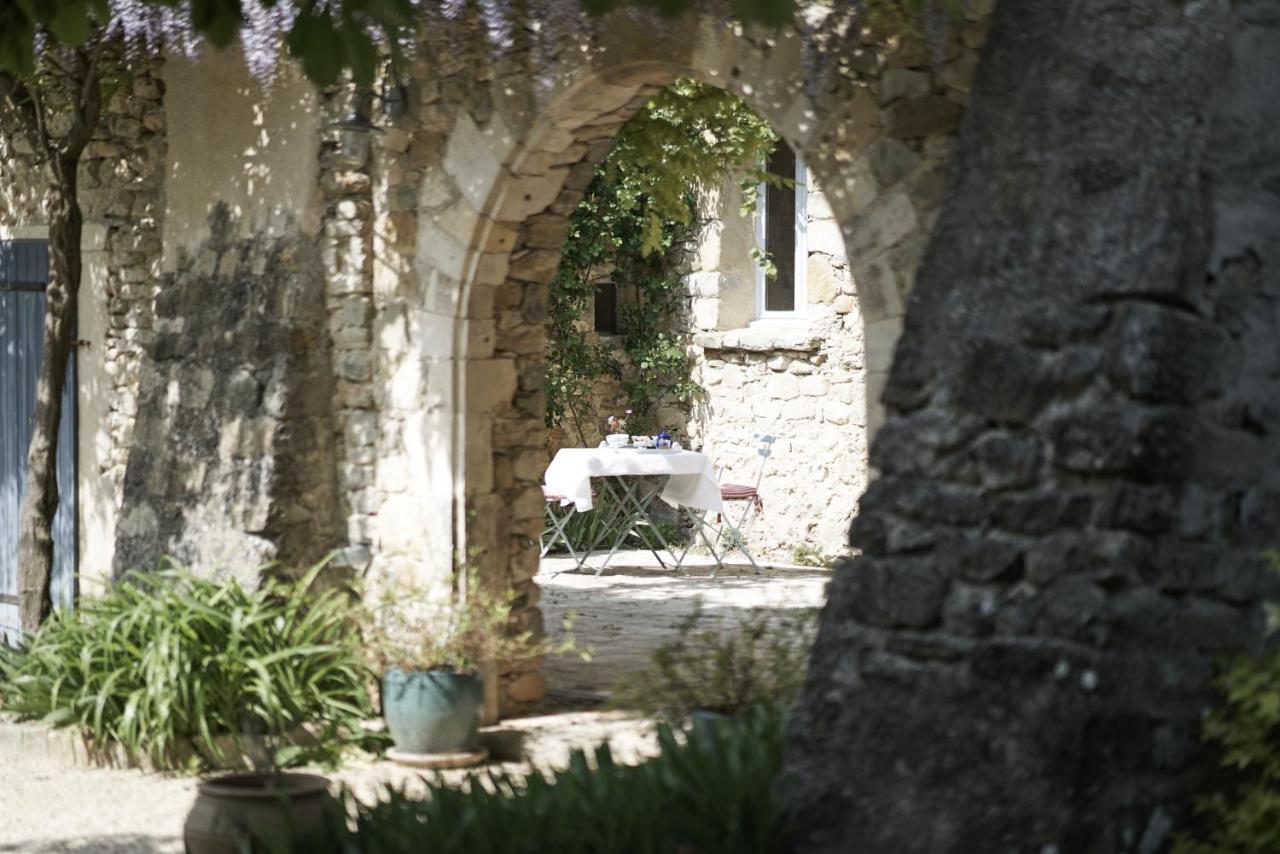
(261, 812)
(432, 711)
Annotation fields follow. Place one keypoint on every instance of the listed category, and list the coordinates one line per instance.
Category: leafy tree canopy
(326, 36)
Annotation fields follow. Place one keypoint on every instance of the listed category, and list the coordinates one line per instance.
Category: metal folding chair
(553, 527)
(749, 496)
(731, 492)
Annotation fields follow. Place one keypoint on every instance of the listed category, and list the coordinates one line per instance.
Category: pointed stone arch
(872, 119)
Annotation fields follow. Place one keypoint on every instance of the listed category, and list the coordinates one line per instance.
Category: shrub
(760, 659)
(166, 658)
(1245, 816)
(710, 791)
(600, 526)
(408, 628)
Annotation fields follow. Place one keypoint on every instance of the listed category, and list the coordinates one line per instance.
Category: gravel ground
(48, 805)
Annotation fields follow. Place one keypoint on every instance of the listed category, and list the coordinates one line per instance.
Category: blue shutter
(24, 272)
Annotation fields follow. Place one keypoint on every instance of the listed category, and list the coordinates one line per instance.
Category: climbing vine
(632, 228)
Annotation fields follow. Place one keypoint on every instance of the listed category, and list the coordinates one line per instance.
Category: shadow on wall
(248, 145)
(233, 461)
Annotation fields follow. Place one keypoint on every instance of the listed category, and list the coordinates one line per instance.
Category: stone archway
(872, 120)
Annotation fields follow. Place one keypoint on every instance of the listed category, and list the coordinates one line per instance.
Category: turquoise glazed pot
(431, 711)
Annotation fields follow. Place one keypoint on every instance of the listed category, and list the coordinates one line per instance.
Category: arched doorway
(493, 217)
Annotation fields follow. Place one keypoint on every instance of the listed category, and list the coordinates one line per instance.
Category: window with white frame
(781, 224)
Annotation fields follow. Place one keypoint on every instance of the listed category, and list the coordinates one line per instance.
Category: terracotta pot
(261, 812)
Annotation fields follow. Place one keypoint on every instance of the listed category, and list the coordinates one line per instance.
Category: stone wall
(233, 463)
(801, 381)
(235, 460)
(122, 198)
(1079, 471)
(500, 156)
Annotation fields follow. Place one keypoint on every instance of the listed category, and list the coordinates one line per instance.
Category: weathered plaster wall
(233, 463)
(238, 142)
(234, 459)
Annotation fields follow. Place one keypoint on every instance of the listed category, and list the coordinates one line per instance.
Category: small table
(688, 482)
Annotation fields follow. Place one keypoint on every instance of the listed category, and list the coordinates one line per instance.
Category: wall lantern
(356, 130)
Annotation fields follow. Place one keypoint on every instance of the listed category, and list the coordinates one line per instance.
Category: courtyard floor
(624, 614)
(48, 805)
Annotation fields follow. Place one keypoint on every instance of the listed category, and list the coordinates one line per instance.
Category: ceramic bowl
(617, 440)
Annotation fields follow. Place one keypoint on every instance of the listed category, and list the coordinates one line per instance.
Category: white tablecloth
(691, 481)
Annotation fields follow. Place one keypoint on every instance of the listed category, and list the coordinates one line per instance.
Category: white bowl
(617, 440)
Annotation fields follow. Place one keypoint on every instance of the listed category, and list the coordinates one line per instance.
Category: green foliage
(411, 629)
(807, 556)
(600, 526)
(761, 659)
(636, 218)
(326, 36)
(168, 657)
(714, 790)
(1243, 816)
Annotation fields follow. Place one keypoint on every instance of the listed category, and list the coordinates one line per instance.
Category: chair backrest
(763, 446)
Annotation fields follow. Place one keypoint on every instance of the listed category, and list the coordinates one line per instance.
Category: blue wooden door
(24, 272)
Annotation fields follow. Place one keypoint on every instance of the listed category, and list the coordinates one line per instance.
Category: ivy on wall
(633, 228)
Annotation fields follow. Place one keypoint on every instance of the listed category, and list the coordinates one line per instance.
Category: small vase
(432, 711)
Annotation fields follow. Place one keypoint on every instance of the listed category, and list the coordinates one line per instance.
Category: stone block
(706, 313)
(928, 115)
(478, 452)
(821, 280)
(882, 225)
(1117, 438)
(530, 194)
(892, 160)
(898, 83)
(491, 384)
(1166, 355)
(470, 162)
(813, 386)
(534, 265)
(360, 428)
(903, 592)
(783, 387)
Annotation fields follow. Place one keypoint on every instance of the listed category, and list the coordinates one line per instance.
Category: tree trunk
(40, 501)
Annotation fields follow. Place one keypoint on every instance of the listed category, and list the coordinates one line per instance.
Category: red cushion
(736, 491)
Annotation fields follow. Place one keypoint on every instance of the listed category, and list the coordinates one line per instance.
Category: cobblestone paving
(621, 616)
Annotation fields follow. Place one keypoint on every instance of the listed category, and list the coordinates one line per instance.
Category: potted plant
(431, 650)
(617, 435)
(709, 674)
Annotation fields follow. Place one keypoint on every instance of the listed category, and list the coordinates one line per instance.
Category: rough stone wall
(801, 382)
(347, 255)
(123, 175)
(1079, 468)
(233, 463)
(122, 197)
